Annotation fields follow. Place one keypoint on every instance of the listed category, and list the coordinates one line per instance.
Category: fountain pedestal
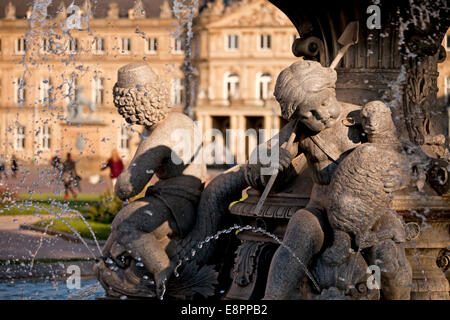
(428, 223)
(428, 226)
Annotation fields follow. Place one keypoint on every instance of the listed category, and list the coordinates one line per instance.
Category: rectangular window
(19, 138)
(99, 46)
(151, 45)
(19, 91)
(232, 42)
(45, 138)
(125, 45)
(44, 90)
(21, 46)
(98, 91)
(264, 41)
(178, 45)
(73, 46)
(178, 91)
(124, 138)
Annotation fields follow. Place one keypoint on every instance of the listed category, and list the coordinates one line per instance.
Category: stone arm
(150, 154)
(255, 174)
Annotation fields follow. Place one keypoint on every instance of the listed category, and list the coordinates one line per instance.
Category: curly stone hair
(145, 105)
(298, 85)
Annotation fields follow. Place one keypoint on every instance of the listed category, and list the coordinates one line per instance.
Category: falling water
(69, 210)
(85, 293)
(216, 236)
(57, 215)
(184, 11)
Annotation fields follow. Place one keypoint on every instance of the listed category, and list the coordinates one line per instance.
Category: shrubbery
(7, 196)
(106, 209)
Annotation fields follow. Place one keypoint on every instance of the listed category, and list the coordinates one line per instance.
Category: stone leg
(141, 228)
(305, 236)
(396, 272)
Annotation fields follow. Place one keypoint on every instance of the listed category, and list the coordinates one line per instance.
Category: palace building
(237, 52)
(58, 65)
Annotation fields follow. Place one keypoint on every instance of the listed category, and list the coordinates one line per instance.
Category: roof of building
(99, 7)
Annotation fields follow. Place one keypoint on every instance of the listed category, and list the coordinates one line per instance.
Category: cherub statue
(326, 131)
(143, 229)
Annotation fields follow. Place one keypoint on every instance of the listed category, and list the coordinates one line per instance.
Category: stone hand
(286, 155)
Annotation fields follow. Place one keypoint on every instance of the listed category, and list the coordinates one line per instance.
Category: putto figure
(143, 229)
(326, 131)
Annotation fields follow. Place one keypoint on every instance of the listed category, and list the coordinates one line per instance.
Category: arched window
(231, 86)
(263, 81)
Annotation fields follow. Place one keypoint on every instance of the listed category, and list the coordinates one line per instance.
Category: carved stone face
(321, 112)
(376, 118)
(306, 91)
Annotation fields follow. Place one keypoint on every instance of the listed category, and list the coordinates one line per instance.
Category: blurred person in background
(115, 165)
(70, 177)
(55, 161)
(2, 169)
(14, 166)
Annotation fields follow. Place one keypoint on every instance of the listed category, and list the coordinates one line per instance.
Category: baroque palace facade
(238, 51)
(238, 48)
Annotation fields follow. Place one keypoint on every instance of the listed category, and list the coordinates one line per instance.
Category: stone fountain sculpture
(399, 60)
(151, 234)
(155, 237)
(335, 241)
